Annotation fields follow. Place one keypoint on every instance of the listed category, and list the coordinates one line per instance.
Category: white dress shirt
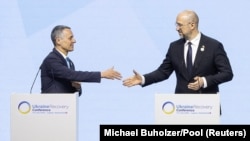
(195, 44)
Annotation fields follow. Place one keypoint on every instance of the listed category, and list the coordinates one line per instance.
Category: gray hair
(57, 32)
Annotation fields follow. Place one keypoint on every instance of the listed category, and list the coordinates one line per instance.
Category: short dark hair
(57, 32)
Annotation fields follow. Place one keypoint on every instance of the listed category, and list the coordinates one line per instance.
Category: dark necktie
(189, 58)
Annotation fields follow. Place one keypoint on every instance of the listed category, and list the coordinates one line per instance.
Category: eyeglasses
(180, 25)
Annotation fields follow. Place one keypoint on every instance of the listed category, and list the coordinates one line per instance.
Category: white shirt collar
(196, 40)
(64, 56)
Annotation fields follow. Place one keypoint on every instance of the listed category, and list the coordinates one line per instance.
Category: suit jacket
(56, 77)
(211, 62)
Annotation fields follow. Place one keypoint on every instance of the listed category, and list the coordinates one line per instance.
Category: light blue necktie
(68, 62)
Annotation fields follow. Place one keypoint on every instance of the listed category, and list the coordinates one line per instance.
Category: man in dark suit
(210, 65)
(58, 74)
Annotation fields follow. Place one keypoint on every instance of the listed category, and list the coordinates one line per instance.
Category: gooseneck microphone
(35, 79)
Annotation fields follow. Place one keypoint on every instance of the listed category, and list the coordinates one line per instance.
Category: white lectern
(187, 109)
(44, 117)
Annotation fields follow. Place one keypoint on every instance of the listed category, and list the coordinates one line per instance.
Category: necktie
(189, 58)
(71, 66)
(69, 63)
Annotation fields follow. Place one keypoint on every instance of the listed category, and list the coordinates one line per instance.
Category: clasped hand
(77, 85)
(197, 84)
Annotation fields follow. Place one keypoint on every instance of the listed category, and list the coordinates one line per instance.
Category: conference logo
(168, 107)
(24, 107)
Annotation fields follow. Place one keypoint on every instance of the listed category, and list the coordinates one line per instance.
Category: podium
(187, 109)
(44, 117)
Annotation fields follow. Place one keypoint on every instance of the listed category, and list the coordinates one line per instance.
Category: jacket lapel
(199, 55)
(60, 56)
(183, 67)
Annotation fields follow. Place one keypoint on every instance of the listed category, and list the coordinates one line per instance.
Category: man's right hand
(133, 80)
(111, 74)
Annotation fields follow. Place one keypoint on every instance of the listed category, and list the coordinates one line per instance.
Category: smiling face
(65, 42)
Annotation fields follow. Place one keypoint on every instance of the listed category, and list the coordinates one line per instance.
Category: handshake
(137, 79)
(129, 82)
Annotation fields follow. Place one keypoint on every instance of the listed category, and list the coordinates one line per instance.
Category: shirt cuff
(143, 80)
(205, 82)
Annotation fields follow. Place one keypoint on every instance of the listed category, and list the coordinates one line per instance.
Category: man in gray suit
(210, 65)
